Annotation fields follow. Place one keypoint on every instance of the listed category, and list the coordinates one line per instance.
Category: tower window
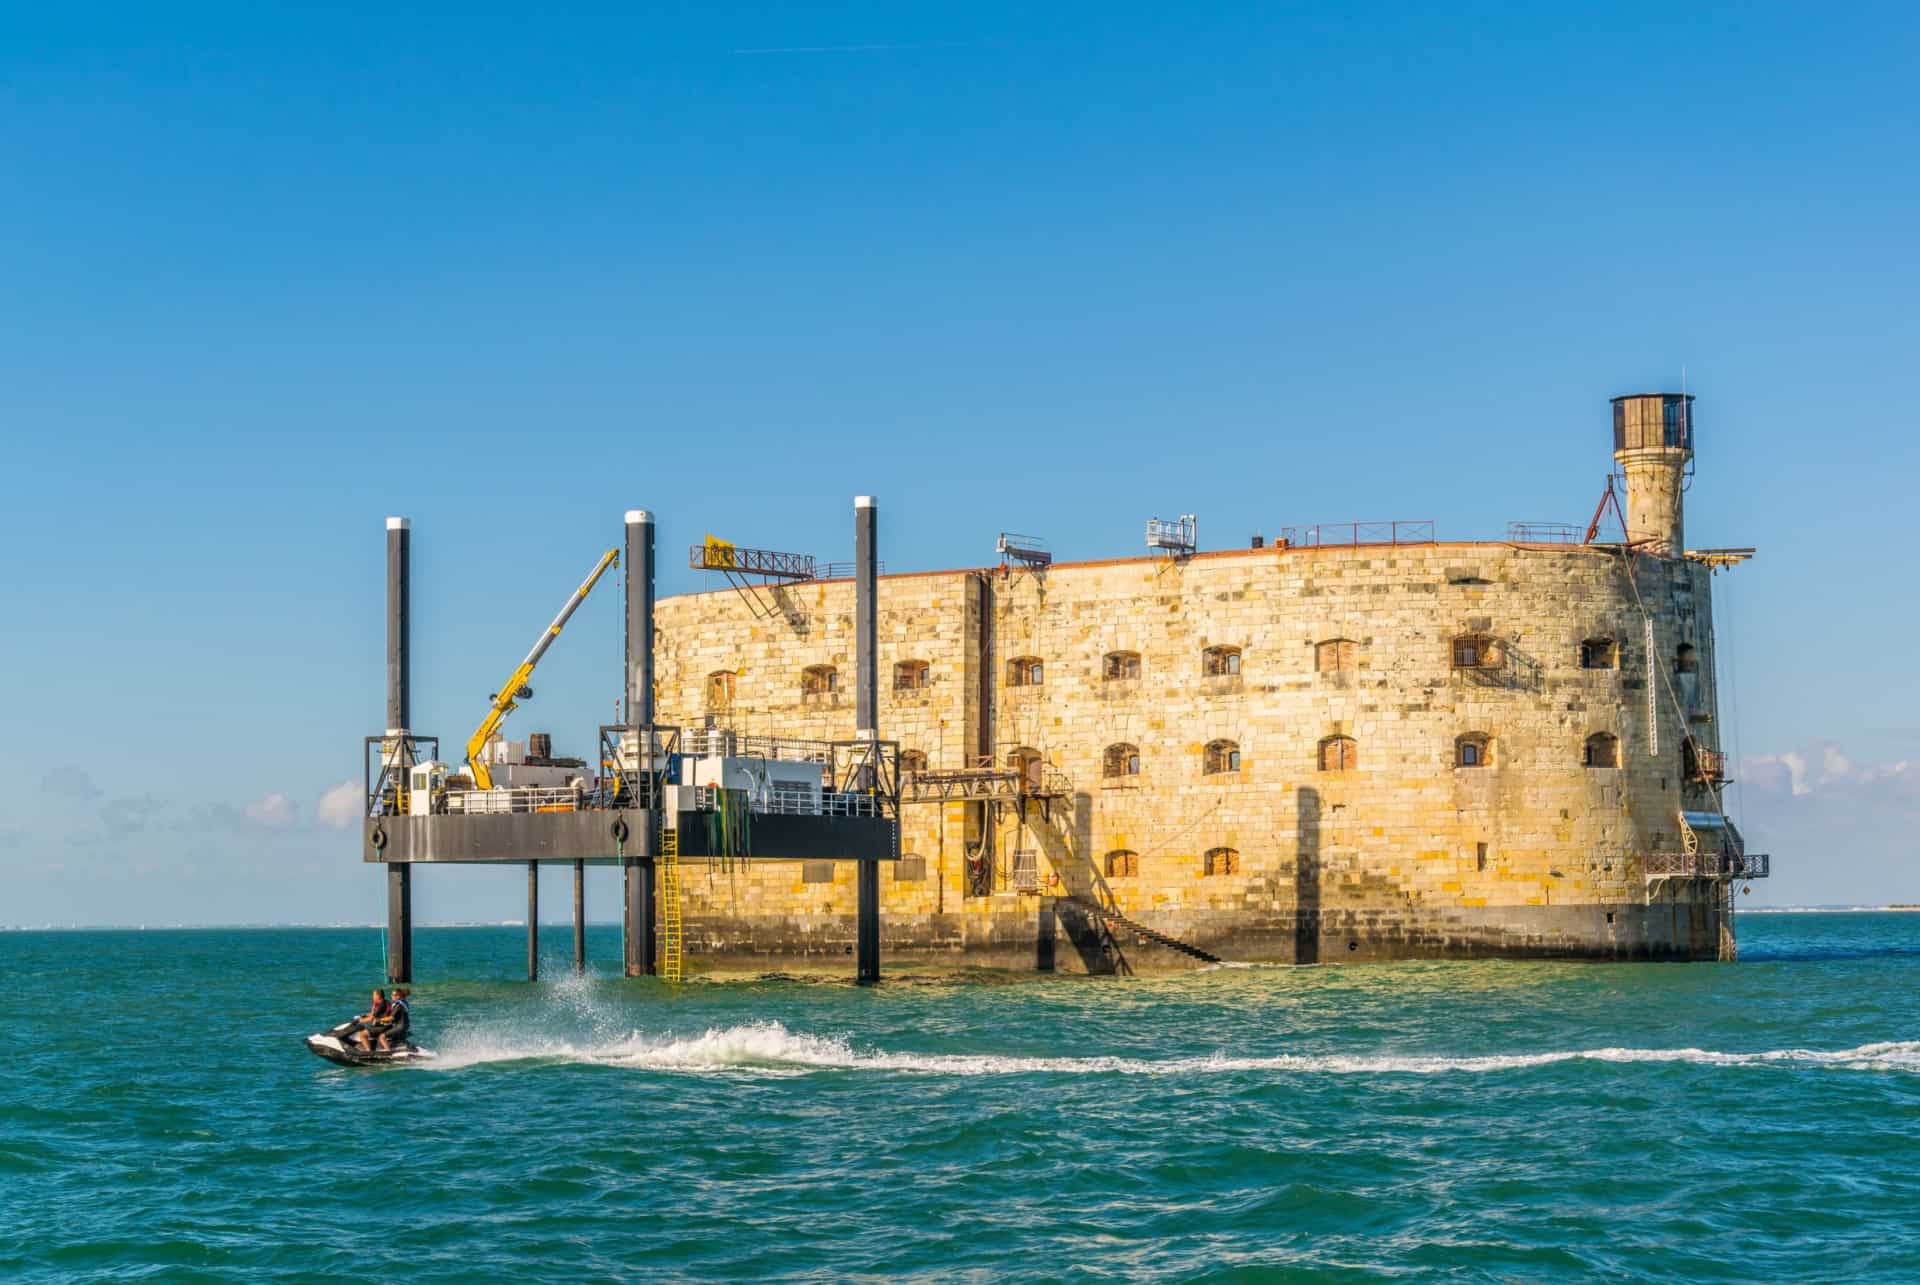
(912, 761)
(1222, 756)
(1599, 653)
(1120, 665)
(910, 868)
(910, 676)
(1339, 754)
(1025, 671)
(1220, 662)
(1475, 651)
(1334, 655)
(1220, 861)
(819, 680)
(1472, 750)
(1686, 660)
(1602, 750)
(719, 691)
(1123, 863)
(1121, 760)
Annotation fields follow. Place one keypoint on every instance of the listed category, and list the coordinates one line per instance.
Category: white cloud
(1824, 769)
(275, 811)
(341, 807)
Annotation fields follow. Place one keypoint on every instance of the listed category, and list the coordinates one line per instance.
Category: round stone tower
(1653, 444)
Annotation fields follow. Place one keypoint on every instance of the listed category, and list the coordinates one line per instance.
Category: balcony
(1708, 865)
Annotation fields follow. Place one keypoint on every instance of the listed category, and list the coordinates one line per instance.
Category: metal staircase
(1112, 917)
(672, 952)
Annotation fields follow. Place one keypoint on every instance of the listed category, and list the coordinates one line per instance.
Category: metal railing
(516, 799)
(828, 803)
(724, 742)
(1544, 533)
(1350, 534)
(720, 556)
(1708, 865)
(847, 570)
(1028, 549)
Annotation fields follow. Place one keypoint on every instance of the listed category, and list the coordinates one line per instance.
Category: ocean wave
(769, 1048)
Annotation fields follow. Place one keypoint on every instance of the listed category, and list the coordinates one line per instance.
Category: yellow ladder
(671, 950)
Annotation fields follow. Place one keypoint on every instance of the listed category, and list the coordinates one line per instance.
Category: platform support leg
(533, 921)
(639, 917)
(579, 916)
(399, 923)
(867, 947)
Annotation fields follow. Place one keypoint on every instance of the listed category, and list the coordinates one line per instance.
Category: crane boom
(515, 689)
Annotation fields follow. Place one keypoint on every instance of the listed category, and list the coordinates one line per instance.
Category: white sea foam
(770, 1049)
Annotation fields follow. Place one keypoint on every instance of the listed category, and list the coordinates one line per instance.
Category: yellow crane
(515, 689)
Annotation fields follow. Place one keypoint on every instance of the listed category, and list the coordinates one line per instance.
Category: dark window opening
(1222, 756)
(1339, 754)
(1221, 861)
(1220, 662)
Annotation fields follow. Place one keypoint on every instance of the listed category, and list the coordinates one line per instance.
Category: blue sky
(266, 277)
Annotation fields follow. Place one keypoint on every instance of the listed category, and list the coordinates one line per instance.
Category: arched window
(1686, 660)
(1599, 653)
(819, 680)
(1121, 760)
(719, 689)
(1024, 671)
(910, 676)
(912, 761)
(1222, 756)
(1119, 665)
(1220, 861)
(1602, 750)
(1123, 863)
(1474, 749)
(1334, 655)
(1220, 662)
(1339, 754)
(1030, 765)
(1475, 651)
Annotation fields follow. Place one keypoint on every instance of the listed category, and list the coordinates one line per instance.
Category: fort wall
(1311, 799)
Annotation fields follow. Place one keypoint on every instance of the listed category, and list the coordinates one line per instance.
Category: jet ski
(333, 1045)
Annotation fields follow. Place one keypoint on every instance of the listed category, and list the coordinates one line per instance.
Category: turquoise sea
(160, 1118)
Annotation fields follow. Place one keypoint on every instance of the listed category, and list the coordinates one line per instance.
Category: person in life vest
(399, 1021)
(373, 1019)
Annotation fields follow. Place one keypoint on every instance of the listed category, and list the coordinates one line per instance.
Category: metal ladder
(671, 940)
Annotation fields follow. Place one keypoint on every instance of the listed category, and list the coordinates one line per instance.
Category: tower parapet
(1653, 444)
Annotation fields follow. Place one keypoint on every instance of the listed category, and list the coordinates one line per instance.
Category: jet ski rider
(398, 1023)
(375, 1017)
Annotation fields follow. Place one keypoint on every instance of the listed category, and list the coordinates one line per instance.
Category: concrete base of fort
(1051, 935)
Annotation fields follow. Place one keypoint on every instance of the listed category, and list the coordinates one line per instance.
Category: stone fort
(1349, 744)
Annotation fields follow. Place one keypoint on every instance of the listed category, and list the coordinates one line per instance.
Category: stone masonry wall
(1402, 853)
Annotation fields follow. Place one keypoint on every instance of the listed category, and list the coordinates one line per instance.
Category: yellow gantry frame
(507, 699)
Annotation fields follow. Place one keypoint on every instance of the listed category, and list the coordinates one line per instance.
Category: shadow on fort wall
(1068, 845)
(1306, 877)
